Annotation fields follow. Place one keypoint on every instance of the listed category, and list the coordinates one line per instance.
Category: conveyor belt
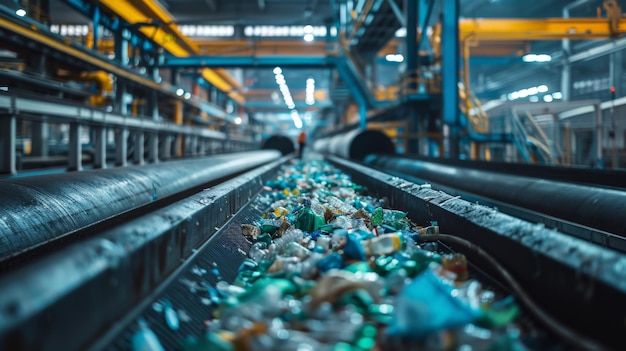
(124, 269)
(91, 285)
(37, 211)
(590, 213)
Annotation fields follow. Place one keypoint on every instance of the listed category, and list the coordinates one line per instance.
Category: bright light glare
(20, 12)
(537, 58)
(557, 95)
(542, 88)
(547, 98)
(238, 120)
(308, 29)
(277, 70)
(532, 91)
(308, 37)
(187, 96)
(310, 81)
(394, 57)
(297, 121)
(180, 92)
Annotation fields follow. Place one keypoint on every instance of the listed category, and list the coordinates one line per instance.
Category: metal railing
(137, 140)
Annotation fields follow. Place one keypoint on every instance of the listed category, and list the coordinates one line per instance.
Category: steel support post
(139, 149)
(450, 73)
(193, 145)
(100, 146)
(177, 146)
(96, 27)
(153, 148)
(121, 147)
(599, 140)
(411, 37)
(75, 161)
(40, 136)
(166, 146)
(121, 46)
(616, 71)
(8, 133)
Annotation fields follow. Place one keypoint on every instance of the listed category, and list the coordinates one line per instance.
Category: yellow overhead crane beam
(478, 29)
(538, 29)
(169, 37)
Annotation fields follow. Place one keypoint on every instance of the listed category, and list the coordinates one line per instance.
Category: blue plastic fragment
(427, 305)
(247, 265)
(145, 339)
(171, 317)
(329, 262)
(353, 249)
(212, 293)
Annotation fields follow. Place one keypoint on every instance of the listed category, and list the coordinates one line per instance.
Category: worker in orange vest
(301, 143)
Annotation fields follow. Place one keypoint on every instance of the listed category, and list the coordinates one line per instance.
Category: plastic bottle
(384, 244)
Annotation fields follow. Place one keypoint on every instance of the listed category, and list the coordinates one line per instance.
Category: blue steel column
(411, 72)
(450, 73)
(96, 27)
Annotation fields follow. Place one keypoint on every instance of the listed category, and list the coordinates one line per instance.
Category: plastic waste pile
(331, 268)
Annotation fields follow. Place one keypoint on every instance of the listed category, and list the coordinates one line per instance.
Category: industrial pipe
(355, 144)
(40, 209)
(589, 206)
(280, 143)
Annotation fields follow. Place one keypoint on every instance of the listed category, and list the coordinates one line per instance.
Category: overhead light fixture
(297, 121)
(277, 70)
(529, 92)
(308, 29)
(308, 37)
(537, 58)
(20, 12)
(187, 95)
(557, 95)
(310, 91)
(180, 92)
(548, 98)
(394, 57)
(238, 120)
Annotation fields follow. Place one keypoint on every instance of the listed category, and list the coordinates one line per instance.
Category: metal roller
(589, 206)
(37, 210)
(355, 144)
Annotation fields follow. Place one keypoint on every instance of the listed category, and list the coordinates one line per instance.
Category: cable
(570, 336)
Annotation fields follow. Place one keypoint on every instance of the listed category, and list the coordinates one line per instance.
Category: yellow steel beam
(499, 48)
(32, 34)
(300, 94)
(168, 36)
(538, 29)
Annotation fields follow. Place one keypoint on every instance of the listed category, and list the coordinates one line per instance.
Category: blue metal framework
(247, 61)
(450, 75)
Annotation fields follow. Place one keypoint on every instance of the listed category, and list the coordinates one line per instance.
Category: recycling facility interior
(113, 111)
